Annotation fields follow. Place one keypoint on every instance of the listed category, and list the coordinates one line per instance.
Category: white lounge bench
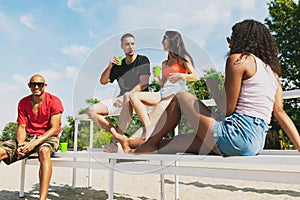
(256, 168)
(259, 168)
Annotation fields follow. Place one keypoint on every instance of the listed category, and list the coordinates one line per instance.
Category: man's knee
(97, 109)
(3, 154)
(91, 111)
(44, 153)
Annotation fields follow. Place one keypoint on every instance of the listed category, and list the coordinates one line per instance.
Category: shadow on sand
(245, 189)
(65, 192)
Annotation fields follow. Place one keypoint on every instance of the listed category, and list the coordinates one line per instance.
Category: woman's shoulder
(241, 59)
(243, 62)
(235, 57)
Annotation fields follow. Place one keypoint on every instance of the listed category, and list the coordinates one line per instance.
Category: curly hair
(176, 46)
(250, 36)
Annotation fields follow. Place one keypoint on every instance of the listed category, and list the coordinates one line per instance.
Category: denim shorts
(240, 135)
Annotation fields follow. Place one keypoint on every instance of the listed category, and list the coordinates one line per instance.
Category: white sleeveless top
(257, 94)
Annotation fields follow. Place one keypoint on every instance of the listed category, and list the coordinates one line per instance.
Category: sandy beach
(142, 186)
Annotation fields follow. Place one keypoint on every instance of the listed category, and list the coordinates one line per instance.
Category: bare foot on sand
(122, 139)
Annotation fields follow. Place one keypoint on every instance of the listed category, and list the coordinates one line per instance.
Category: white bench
(259, 168)
(256, 168)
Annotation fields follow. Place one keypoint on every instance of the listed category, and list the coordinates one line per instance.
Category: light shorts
(240, 135)
(112, 110)
(10, 147)
(172, 88)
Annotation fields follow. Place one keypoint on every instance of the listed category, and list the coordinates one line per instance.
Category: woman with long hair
(176, 70)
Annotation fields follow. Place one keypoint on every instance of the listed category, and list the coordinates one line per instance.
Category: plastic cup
(213, 76)
(156, 71)
(120, 60)
(63, 147)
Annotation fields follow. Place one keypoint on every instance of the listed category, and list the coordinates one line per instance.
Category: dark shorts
(10, 147)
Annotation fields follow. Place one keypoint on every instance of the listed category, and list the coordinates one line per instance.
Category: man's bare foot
(122, 139)
(147, 147)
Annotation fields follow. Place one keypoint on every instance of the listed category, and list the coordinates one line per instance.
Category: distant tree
(9, 132)
(67, 134)
(90, 101)
(284, 23)
(154, 86)
(199, 89)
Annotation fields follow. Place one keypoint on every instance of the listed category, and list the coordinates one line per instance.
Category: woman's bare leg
(142, 133)
(127, 143)
(184, 143)
(125, 117)
(200, 118)
(160, 130)
(138, 101)
(156, 114)
(140, 136)
(98, 113)
(167, 122)
(198, 115)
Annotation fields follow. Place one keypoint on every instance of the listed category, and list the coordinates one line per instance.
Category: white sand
(142, 186)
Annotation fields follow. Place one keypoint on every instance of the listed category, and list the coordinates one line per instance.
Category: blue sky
(61, 38)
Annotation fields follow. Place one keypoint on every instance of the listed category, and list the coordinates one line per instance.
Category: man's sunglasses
(34, 84)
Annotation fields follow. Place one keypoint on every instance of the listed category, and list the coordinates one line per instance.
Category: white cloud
(76, 51)
(76, 5)
(19, 78)
(199, 18)
(7, 25)
(7, 88)
(71, 72)
(28, 20)
(50, 76)
(92, 34)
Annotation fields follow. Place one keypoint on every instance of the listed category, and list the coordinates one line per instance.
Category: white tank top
(257, 94)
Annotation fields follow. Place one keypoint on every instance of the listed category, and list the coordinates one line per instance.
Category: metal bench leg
(90, 173)
(176, 183)
(22, 181)
(75, 149)
(162, 183)
(111, 179)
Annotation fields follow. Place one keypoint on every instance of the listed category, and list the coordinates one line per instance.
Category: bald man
(39, 123)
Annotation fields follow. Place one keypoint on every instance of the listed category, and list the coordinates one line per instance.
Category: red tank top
(174, 68)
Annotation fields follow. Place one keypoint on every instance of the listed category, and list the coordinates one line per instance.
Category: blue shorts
(240, 135)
